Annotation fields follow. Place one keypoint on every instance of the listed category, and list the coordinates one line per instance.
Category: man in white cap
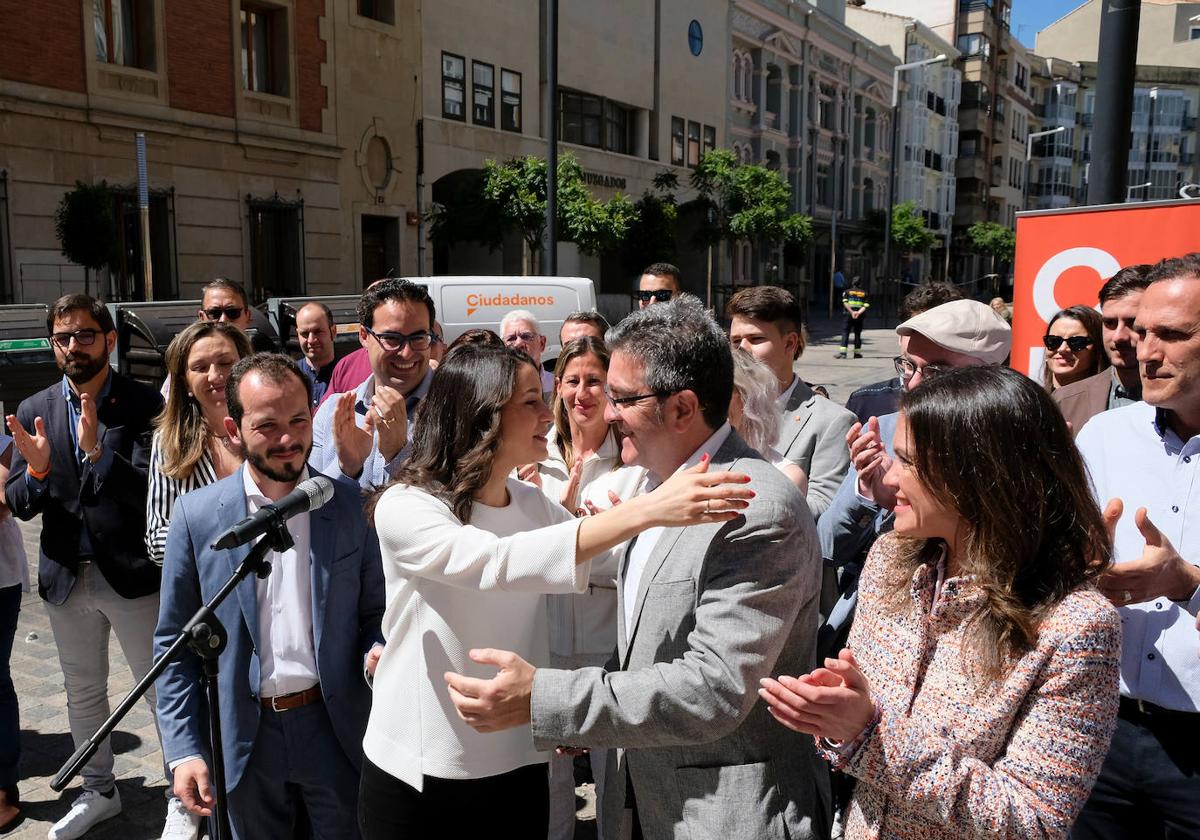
(961, 333)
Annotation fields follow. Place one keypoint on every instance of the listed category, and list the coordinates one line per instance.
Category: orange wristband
(40, 476)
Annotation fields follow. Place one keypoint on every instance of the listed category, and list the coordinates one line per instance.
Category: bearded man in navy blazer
(82, 449)
(293, 697)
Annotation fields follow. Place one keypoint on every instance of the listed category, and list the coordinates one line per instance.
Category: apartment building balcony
(972, 167)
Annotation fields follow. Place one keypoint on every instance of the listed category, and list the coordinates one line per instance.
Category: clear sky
(1028, 16)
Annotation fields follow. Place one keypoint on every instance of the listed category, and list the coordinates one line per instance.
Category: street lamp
(887, 216)
(1150, 133)
(1029, 138)
(1129, 190)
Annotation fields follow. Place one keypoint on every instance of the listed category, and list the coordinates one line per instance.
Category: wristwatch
(94, 453)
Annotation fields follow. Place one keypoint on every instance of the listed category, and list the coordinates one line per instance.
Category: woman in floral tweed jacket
(978, 694)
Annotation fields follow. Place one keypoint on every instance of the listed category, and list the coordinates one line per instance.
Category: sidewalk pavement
(46, 736)
(842, 376)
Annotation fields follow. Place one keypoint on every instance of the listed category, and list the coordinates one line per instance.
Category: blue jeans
(10, 721)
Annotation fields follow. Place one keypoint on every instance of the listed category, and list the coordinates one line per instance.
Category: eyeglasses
(393, 342)
(1075, 342)
(527, 337)
(618, 402)
(659, 295)
(84, 338)
(232, 313)
(907, 370)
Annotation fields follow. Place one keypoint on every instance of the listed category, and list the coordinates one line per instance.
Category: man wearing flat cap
(961, 333)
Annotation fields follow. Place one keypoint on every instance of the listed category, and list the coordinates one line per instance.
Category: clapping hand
(833, 702)
(352, 444)
(871, 462)
(35, 448)
(389, 418)
(89, 424)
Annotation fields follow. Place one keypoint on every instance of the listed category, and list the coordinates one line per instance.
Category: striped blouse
(954, 757)
(163, 493)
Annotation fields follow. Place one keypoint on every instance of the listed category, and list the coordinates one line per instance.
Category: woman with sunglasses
(1074, 347)
(468, 552)
(979, 689)
(191, 448)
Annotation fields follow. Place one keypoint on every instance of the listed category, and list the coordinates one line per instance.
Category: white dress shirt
(782, 399)
(1133, 454)
(643, 544)
(286, 653)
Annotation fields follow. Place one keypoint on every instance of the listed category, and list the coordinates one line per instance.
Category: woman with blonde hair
(978, 693)
(191, 448)
(753, 412)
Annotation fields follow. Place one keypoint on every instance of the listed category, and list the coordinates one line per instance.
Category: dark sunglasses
(231, 312)
(1075, 342)
(659, 295)
(84, 338)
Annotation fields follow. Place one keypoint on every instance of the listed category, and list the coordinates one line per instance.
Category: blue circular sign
(695, 37)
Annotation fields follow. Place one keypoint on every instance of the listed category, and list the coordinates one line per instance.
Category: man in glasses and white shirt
(365, 433)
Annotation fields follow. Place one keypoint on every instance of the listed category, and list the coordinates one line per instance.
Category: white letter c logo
(1100, 261)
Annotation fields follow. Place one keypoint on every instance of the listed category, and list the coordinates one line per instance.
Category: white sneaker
(88, 809)
(181, 823)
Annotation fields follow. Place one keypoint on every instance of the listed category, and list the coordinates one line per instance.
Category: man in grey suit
(706, 612)
(767, 322)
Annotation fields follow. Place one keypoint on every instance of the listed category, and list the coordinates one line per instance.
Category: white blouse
(586, 624)
(452, 587)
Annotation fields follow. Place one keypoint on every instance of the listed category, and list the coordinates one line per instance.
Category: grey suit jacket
(812, 435)
(719, 607)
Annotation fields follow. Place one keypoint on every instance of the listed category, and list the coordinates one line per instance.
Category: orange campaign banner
(1065, 256)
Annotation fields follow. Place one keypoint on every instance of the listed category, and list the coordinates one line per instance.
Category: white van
(467, 302)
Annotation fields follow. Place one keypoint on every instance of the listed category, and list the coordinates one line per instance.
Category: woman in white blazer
(468, 552)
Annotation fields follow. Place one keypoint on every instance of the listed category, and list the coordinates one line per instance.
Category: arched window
(747, 78)
(737, 74)
(772, 160)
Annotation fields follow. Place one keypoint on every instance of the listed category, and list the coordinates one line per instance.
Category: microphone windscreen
(319, 490)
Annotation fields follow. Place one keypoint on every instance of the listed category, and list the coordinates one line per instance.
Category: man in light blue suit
(294, 701)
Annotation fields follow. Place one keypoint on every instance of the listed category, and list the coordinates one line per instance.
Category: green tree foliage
(86, 227)
(909, 232)
(651, 237)
(993, 240)
(748, 202)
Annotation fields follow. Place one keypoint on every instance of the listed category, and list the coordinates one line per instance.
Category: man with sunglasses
(659, 283)
(223, 299)
(961, 333)
(365, 433)
(82, 451)
(1120, 384)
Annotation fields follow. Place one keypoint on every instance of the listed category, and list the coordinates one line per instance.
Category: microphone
(309, 494)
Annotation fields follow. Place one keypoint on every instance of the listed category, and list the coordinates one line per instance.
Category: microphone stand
(206, 637)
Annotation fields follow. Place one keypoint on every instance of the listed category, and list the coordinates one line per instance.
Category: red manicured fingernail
(705, 458)
(752, 494)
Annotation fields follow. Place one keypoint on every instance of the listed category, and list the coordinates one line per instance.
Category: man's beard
(80, 368)
(284, 472)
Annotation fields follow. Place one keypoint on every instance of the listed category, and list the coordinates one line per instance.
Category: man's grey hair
(681, 348)
(520, 315)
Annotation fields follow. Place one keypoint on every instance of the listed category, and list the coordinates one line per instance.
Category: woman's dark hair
(990, 443)
(586, 345)
(477, 335)
(457, 427)
(1093, 324)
